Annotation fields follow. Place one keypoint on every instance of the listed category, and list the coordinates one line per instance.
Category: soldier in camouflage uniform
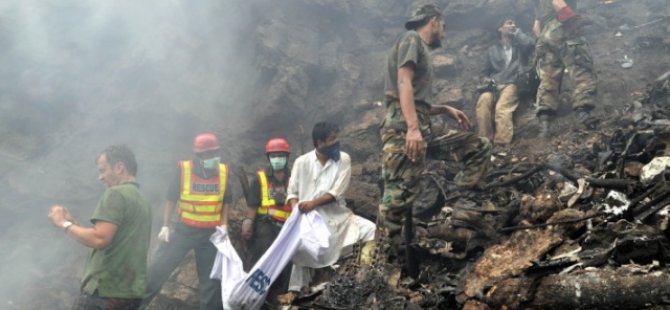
(406, 131)
(560, 46)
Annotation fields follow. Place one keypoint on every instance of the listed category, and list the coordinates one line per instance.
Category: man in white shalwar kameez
(318, 183)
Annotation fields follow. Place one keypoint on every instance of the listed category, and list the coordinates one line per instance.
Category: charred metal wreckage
(586, 230)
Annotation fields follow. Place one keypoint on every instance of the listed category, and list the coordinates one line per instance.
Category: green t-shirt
(120, 270)
(544, 10)
(410, 49)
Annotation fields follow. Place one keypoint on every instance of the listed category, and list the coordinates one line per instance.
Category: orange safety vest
(268, 205)
(201, 200)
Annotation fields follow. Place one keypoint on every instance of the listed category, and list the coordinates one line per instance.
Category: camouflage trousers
(266, 230)
(402, 176)
(558, 52)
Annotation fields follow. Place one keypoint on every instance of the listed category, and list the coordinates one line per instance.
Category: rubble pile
(582, 229)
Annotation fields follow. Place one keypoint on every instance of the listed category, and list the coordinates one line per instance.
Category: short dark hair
(501, 22)
(322, 130)
(120, 153)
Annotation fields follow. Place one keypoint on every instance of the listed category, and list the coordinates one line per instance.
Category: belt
(270, 220)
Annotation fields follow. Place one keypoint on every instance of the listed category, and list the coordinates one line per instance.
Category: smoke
(79, 75)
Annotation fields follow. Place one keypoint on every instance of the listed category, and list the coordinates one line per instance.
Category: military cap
(421, 13)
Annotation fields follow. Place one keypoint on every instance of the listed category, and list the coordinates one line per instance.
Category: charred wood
(651, 208)
(601, 289)
(572, 221)
(620, 184)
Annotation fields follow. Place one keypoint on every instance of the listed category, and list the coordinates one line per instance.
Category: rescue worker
(506, 65)
(406, 132)
(267, 209)
(201, 193)
(561, 47)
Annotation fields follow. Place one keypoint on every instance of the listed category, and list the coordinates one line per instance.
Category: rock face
(78, 77)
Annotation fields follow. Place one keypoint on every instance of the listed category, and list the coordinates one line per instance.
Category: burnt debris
(584, 230)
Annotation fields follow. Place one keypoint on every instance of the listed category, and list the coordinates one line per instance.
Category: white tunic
(309, 180)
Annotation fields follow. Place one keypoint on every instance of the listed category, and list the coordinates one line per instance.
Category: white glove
(164, 235)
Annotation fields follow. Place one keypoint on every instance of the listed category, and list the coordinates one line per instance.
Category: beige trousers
(503, 109)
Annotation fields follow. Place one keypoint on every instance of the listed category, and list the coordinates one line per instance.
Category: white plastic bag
(301, 232)
(314, 236)
(227, 266)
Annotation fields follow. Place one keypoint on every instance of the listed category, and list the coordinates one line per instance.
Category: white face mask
(278, 163)
(211, 163)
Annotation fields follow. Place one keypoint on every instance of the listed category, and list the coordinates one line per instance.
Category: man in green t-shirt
(406, 131)
(116, 271)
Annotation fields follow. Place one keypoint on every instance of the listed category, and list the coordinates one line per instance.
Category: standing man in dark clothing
(115, 275)
(507, 63)
(406, 132)
(267, 209)
(561, 46)
(200, 190)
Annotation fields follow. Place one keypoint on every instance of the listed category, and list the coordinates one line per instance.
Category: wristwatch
(67, 225)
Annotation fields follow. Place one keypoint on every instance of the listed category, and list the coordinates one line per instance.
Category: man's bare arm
(406, 96)
(454, 113)
(98, 237)
(413, 138)
(558, 4)
(224, 214)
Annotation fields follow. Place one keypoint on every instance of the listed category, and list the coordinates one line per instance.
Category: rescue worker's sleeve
(254, 199)
(110, 209)
(228, 196)
(341, 184)
(565, 15)
(174, 190)
(408, 50)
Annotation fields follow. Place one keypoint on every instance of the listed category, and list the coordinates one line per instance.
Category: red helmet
(204, 142)
(277, 145)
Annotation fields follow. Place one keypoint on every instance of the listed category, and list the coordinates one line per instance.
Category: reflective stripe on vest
(200, 201)
(268, 205)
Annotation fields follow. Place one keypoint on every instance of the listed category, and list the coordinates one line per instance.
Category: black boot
(544, 125)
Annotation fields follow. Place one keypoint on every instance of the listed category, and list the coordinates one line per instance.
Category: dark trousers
(266, 230)
(170, 255)
(94, 302)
